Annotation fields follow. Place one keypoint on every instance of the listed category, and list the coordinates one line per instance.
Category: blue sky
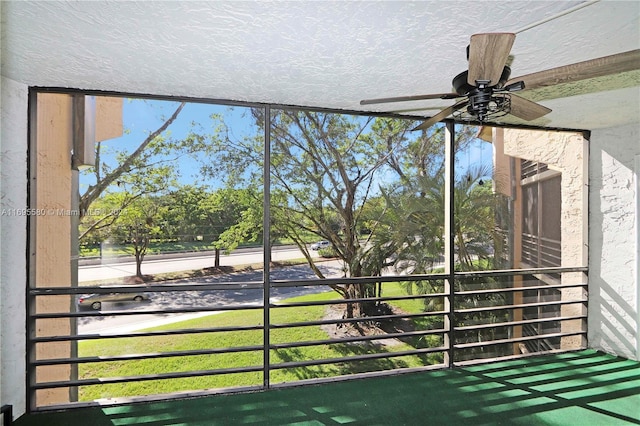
(140, 117)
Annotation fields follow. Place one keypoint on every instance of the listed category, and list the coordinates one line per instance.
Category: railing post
(266, 248)
(449, 217)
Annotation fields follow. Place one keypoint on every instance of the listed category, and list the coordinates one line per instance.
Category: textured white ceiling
(318, 53)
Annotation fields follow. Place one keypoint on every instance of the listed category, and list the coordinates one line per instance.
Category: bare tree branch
(94, 191)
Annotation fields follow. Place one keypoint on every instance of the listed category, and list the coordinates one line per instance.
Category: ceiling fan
(487, 90)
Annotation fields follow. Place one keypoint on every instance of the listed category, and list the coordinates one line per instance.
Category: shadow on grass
(340, 366)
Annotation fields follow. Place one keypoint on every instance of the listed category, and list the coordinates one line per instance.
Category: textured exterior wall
(51, 264)
(566, 152)
(614, 306)
(108, 118)
(13, 249)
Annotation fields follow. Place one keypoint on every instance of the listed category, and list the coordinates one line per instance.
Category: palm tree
(416, 229)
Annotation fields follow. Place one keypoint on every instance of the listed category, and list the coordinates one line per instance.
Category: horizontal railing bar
(516, 339)
(519, 306)
(516, 272)
(153, 288)
(148, 398)
(540, 237)
(295, 364)
(146, 312)
(146, 377)
(49, 339)
(516, 289)
(426, 277)
(477, 361)
(352, 339)
(516, 323)
(360, 319)
(136, 357)
(133, 288)
(356, 300)
(357, 376)
(358, 280)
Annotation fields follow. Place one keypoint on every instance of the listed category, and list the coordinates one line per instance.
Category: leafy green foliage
(138, 224)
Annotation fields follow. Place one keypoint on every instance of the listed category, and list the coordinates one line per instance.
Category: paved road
(205, 298)
(109, 270)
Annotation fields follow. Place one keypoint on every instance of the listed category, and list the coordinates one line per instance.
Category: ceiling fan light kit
(487, 90)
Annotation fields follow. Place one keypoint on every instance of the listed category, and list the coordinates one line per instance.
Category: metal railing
(541, 251)
(479, 320)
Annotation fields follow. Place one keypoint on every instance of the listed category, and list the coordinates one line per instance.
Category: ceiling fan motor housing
(461, 87)
(483, 102)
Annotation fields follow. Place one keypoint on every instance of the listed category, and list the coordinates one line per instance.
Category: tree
(476, 207)
(231, 215)
(226, 217)
(417, 226)
(324, 168)
(107, 174)
(138, 224)
(186, 220)
(145, 169)
(327, 165)
(97, 221)
(418, 234)
(328, 170)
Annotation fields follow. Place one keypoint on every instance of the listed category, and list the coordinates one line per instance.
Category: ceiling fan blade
(410, 98)
(488, 54)
(526, 109)
(441, 115)
(606, 65)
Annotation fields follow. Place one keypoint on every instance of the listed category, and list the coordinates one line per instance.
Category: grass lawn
(240, 339)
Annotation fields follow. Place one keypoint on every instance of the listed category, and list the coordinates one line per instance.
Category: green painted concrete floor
(579, 388)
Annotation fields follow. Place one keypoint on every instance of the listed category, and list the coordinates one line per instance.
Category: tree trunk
(354, 309)
(216, 262)
(140, 245)
(359, 291)
(139, 257)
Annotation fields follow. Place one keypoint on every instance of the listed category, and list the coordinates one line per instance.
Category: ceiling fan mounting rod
(482, 84)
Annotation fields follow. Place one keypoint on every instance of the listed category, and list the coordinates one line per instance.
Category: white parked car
(320, 245)
(95, 300)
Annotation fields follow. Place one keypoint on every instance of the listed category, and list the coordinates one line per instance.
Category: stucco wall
(13, 234)
(614, 241)
(565, 152)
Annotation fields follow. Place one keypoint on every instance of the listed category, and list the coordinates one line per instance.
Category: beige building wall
(504, 176)
(108, 118)
(52, 235)
(52, 251)
(567, 153)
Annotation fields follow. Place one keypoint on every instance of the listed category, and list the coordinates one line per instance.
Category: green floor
(581, 388)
